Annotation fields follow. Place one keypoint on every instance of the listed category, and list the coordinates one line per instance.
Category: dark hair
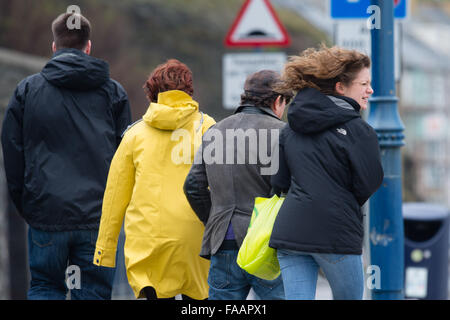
(322, 68)
(259, 89)
(267, 100)
(172, 75)
(76, 38)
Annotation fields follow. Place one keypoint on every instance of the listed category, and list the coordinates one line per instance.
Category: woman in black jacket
(329, 165)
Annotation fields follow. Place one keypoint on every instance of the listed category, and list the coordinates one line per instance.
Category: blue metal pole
(385, 220)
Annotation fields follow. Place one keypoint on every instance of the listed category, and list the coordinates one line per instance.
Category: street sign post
(385, 218)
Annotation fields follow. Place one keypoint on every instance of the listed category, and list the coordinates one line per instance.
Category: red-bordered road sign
(257, 24)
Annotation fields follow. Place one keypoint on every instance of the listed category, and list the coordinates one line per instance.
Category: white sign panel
(354, 34)
(236, 68)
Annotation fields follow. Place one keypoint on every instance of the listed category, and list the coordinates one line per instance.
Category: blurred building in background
(424, 96)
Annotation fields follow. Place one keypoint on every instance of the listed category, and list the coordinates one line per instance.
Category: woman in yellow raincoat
(145, 187)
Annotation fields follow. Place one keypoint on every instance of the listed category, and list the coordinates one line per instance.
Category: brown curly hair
(322, 68)
(172, 75)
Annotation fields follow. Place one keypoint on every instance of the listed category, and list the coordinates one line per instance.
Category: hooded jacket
(330, 163)
(60, 131)
(145, 188)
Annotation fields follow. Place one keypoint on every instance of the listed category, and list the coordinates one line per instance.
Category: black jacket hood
(73, 69)
(312, 111)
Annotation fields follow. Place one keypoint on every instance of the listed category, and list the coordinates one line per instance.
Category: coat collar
(251, 109)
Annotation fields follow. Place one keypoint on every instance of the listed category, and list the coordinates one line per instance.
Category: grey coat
(222, 185)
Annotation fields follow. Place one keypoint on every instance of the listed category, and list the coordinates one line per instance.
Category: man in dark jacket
(236, 173)
(59, 134)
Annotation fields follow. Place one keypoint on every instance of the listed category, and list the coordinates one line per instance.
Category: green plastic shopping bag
(255, 256)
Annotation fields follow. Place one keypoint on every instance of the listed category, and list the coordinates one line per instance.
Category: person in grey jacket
(232, 167)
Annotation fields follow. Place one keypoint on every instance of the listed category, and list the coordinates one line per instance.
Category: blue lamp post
(386, 221)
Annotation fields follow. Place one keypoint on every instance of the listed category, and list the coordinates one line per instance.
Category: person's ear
(339, 88)
(53, 46)
(278, 106)
(87, 50)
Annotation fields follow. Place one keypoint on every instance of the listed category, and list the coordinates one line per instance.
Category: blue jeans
(227, 281)
(300, 271)
(53, 255)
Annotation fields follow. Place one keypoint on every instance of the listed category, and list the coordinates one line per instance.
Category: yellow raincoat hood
(145, 189)
(172, 111)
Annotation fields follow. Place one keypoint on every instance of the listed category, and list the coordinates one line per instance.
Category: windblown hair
(172, 75)
(76, 38)
(322, 68)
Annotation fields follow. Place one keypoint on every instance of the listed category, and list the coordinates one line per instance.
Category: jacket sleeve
(196, 188)
(281, 181)
(119, 189)
(122, 112)
(366, 167)
(13, 148)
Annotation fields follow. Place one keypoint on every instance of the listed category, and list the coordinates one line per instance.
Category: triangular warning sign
(257, 25)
